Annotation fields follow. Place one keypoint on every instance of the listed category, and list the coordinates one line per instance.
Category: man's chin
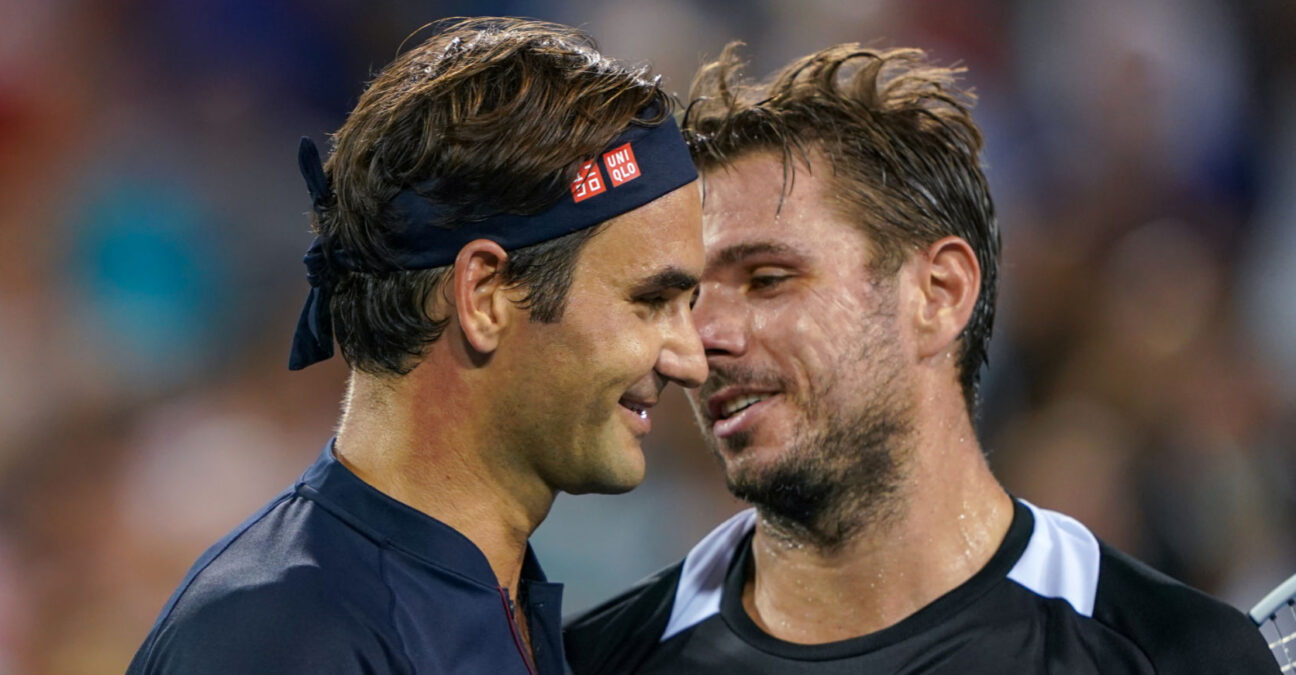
(623, 474)
(793, 492)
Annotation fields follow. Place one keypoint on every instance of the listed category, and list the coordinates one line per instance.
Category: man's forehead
(759, 189)
(659, 242)
(755, 177)
(747, 217)
(746, 213)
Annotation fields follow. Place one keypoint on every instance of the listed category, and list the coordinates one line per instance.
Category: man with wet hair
(508, 242)
(846, 306)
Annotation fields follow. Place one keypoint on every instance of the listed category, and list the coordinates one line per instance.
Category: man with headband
(508, 244)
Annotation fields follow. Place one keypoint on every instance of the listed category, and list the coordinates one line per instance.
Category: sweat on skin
(802, 305)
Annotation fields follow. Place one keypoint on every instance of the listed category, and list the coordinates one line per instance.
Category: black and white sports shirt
(1052, 599)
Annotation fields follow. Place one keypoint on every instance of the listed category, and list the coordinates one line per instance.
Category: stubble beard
(843, 470)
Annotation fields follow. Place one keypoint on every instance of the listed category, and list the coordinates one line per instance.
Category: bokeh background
(1142, 154)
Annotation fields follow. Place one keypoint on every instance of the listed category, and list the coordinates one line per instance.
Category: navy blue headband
(642, 164)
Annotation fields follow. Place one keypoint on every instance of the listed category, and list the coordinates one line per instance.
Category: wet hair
(898, 137)
(487, 116)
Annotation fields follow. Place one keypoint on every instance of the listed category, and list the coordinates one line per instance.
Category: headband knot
(320, 268)
(312, 169)
(313, 340)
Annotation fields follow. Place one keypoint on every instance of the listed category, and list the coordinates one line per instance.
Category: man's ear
(949, 280)
(480, 294)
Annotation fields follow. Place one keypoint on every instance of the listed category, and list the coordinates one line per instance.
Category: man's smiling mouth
(740, 403)
(734, 399)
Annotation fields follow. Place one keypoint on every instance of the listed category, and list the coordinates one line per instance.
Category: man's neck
(426, 452)
(950, 518)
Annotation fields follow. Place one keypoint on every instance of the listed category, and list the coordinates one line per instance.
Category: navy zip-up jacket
(333, 576)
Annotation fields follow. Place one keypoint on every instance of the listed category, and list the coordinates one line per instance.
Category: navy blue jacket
(333, 576)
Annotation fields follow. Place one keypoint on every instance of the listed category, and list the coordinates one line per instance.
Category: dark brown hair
(487, 116)
(898, 137)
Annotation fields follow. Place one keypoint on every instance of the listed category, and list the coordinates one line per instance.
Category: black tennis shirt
(1052, 599)
(333, 576)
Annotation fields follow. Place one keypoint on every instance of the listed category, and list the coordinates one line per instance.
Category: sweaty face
(581, 389)
(807, 403)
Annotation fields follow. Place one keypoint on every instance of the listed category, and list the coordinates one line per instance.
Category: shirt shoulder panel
(701, 584)
(618, 635)
(1180, 629)
(294, 623)
(291, 574)
(1061, 560)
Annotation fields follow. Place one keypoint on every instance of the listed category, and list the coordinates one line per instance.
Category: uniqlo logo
(621, 165)
(589, 182)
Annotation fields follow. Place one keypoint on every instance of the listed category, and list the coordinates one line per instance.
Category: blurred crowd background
(1142, 155)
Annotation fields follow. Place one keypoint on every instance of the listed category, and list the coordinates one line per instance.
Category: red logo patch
(589, 182)
(621, 165)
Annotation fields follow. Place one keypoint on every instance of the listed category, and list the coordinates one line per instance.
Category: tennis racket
(1276, 617)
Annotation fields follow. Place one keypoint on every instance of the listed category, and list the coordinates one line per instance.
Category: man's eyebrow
(670, 277)
(736, 253)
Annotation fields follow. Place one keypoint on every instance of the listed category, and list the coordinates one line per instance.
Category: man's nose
(682, 358)
(721, 320)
